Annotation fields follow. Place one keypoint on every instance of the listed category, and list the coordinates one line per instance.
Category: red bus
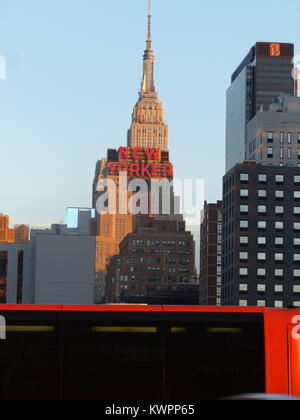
(128, 352)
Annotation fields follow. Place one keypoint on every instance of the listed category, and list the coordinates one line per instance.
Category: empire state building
(148, 128)
(146, 157)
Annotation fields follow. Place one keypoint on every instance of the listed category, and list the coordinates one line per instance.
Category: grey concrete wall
(64, 269)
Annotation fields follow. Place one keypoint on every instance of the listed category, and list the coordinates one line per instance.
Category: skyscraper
(264, 74)
(261, 236)
(148, 128)
(146, 157)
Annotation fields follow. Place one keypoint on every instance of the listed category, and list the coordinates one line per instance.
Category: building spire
(148, 85)
(149, 26)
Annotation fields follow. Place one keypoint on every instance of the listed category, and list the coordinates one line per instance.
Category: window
(270, 136)
(261, 288)
(281, 137)
(298, 137)
(298, 153)
(279, 225)
(262, 225)
(244, 240)
(279, 241)
(244, 224)
(243, 272)
(296, 273)
(281, 155)
(279, 210)
(262, 209)
(261, 240)
(278, 304)
(279, 257)
(297, 179)
(244, 177)
(296, 226)
(243, 303)
(278, 272)
(243, 287)
(261, 272)
(297, 195)
(244, 256)
(296, 289)
(261, 256)
(279, 194)
(296, 257)
(262, 193)
(244, 193)
(261, 303)
(296, 211)
(289, 153)
(270, 152)
(289, 138)
(279, 179)
(262, 178)
(278, 288)
(244, 209)
(296, 241)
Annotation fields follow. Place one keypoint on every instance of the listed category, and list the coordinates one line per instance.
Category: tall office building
(265, 73)
(261, 236)
(148, 128)
(146, 157)
(273, 135)
(210, 280)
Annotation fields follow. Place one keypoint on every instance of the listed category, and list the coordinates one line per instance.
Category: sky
(73, 73)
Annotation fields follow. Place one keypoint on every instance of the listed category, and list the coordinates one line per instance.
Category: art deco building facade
(148, 134)
(148, 128)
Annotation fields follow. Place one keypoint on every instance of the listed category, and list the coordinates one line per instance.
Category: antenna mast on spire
(149, 26)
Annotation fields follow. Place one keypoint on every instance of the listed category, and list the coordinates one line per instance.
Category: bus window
(208, 360)
(30, 358)
(112, 357)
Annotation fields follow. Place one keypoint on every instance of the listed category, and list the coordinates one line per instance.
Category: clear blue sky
(73, 74)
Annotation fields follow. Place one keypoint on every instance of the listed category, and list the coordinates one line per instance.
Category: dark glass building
(266, 72)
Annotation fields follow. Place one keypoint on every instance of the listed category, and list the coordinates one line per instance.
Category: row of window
(262, 288)
(262, 272)
(158, 243)
(262, 240)
(279, 194)
(160, 251)
(244, 193)
(270, 153)
(262, 256)
(262, 209)
(263, 178)
(262, 225)
(282, 136)
(262, 303)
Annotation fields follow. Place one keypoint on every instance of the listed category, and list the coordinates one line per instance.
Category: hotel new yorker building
(261, 236)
